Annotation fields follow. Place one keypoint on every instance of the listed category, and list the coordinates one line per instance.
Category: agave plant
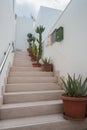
(46, 60)
(75, 87)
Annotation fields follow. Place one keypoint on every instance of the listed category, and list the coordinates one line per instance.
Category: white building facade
(23, 27)
(70, 55)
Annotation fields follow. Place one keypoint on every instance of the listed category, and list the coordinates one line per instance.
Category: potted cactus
(75, 98)
(40, 29)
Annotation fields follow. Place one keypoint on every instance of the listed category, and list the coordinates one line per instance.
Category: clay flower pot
(74, 108)
(46, 67)
(33, 58)
(36, 64)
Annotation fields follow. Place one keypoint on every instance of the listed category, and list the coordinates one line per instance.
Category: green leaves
(46, 60)
(75, 87)
(40, 29)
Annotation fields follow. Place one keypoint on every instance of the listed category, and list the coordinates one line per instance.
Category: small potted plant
(29, 40)
(37, 64)
(33, 49)
(75, 98)
(46, 64)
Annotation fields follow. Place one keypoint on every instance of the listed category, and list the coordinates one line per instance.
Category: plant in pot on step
(37, 64)
(34, 50)
(75, 98)
(46, 64)
(40, 29)
(29, 39)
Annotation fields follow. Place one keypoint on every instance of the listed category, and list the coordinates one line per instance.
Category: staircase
(32, 100)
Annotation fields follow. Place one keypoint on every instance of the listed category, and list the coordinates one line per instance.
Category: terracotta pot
(29, 51)
(74, 108)
(33, 58)
(46, 67)
(36, 64)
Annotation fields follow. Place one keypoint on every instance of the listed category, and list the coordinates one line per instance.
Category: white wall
(7, 25)
(7, 35)
(47, 17)
(23, 27)
(70, 55)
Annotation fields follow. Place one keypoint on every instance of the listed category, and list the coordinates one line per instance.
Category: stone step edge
(30, 104)
(45, 121)
(34, 92)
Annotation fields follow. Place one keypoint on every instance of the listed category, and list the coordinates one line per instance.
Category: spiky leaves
(40, 29)
(75, 87)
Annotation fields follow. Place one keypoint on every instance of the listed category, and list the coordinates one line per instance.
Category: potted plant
(37, 64)
(40, 29)
(75, 98)
(29, 39)
(33, 49)
(46, 64)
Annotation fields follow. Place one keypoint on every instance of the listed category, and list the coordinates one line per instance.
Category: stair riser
(31, 80)
(31, 87)
(51, 126)
(22, 60)
(22, 64)
(31, 111)
(31, 97)
(14, 74)
(25, 69)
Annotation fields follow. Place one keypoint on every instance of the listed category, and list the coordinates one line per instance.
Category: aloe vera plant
(75, 87)
(46, 60)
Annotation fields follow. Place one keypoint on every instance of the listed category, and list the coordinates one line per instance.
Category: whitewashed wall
(7, 35)
(23, 27)
(7, 25)
(70, 55)
(47, 17)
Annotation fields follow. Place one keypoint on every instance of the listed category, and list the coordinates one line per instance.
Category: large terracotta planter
(36, 64)
(74, 108)
(46, 67)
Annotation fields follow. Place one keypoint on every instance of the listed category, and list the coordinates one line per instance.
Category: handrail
(6, 56)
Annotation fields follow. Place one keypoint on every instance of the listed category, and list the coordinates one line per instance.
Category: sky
(27, 8)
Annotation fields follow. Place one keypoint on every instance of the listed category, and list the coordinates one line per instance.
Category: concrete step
(13, 80)
(21, 53)
(23, 64)
(14, 68)
(31, 87)
(19, 110)
(22, 59)
(46, 122)
(32, 73)
(32, 96)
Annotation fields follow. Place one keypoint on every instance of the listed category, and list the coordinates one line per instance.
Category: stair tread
(31, 84)
(27, 104)
(32, 72)
(56, 119)
(33, 92)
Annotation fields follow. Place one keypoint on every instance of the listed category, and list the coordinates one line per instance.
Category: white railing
(6, 62)
(5, 57)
